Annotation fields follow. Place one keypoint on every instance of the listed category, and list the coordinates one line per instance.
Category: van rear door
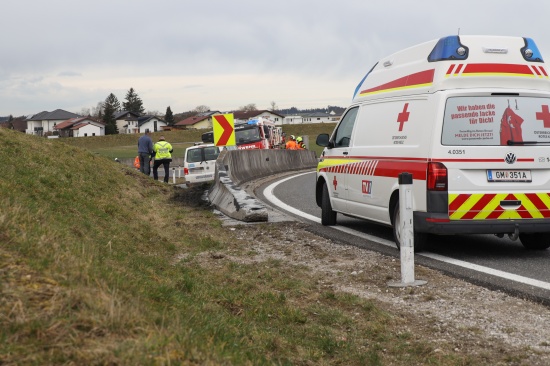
(496, 148)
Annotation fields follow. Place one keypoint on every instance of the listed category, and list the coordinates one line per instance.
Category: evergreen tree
(133, 102)
(110, 107)
(169, 117)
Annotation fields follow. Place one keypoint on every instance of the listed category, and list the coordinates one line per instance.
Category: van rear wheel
(328, 216)
(420, 239)
(535, 241)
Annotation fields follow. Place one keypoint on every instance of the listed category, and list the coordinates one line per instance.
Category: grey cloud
(69, 73)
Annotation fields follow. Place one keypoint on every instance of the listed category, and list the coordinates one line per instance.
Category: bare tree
(201, 109)
(248, 108)
(97, 111)
(153, 113)
(273, 106)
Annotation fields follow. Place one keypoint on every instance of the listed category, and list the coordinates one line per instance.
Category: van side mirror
(324, 141)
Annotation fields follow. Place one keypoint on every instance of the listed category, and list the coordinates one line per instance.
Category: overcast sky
(71, 54)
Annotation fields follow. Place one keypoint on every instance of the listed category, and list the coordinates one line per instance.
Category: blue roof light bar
(448, 48)
(531, 52)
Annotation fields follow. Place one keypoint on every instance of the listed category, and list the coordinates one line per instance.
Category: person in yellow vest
(163, 156)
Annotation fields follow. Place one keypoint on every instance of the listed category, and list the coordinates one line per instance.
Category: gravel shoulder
(446, 311)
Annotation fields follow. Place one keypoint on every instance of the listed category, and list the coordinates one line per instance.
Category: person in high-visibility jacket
(300, 143)
(163, 156)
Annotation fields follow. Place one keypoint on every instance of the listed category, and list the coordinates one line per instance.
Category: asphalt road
(500, 264)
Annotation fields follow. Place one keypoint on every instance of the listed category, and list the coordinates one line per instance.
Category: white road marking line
(268, 193)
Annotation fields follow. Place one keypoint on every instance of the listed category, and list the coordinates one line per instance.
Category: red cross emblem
(544, 116)
(403, 116)
(335, 182)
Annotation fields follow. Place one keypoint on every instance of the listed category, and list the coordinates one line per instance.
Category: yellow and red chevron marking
(482, 206)
(496, 69)
(335, 165)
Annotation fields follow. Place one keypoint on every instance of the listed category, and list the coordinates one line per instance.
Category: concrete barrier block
(233, 201)
(236, 167)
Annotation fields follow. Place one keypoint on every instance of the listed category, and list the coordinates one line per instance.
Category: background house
(19, 124)
(127, 122)
(80, 127)
(151, 123)
(43, 123)
(200, 121)
(314, 117)
(241, 116)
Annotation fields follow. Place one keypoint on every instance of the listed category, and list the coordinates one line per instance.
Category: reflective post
(406, 228)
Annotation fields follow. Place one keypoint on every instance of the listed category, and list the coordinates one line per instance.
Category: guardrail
(236, 167)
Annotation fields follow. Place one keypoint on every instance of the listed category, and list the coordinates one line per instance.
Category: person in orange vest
(300, 143)
(291, 144)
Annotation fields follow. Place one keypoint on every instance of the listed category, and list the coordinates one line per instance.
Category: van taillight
(185, 171)
(437, 177)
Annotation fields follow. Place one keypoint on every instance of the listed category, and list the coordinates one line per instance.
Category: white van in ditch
(469, 118)
(199, 162)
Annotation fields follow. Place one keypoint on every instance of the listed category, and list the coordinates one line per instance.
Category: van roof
(198, 145)
(456, 62)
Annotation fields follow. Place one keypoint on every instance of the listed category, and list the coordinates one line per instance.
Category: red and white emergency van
(469, 118)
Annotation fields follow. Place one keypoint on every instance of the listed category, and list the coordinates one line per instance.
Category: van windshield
(247, 134)
(496, 121)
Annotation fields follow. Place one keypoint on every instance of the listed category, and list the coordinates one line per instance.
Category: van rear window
(203, 154)
(496, 121)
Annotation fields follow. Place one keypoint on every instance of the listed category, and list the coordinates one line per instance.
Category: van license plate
(494, 175)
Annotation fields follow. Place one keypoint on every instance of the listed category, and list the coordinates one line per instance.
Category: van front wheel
(420, 239)
(535, 241)
(328, 216)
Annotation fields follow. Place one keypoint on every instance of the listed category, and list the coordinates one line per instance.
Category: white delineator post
(174, 175)
(406, 228)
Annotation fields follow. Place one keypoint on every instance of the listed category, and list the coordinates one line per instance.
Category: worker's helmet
(299, 139)
(293, 137)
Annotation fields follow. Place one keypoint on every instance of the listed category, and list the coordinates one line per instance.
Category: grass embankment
(125, 145)
(101, 265)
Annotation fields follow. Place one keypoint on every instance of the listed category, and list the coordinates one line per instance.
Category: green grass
(101, 265)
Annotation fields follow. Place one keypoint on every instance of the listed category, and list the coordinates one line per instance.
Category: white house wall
(151, 126)
(47, 126)
(120, 123)
(131, 126)
(293, 120)
(88, 130)
(204, 124)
